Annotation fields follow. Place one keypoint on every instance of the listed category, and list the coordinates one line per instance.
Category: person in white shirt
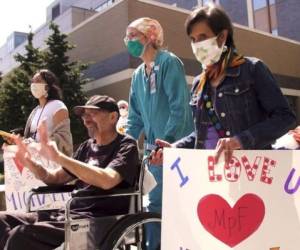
(44, 87)
(122, 122)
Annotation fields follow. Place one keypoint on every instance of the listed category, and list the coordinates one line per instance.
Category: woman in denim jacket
(236, 101)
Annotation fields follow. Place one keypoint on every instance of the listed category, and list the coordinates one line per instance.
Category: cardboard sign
(19, 181)
(251, 204)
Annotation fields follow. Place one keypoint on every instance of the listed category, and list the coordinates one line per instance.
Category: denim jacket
(250, 106)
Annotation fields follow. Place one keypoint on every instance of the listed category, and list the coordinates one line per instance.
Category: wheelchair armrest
(102, 192)
(53, 189)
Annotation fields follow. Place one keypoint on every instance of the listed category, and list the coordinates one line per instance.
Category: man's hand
(296, 134)
(48, 148)
(22, 154)
(156, 156)
(227, 145)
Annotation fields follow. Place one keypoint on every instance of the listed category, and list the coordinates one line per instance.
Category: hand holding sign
(250, 204)
(8, 137)
(156, 156)
(227, 145)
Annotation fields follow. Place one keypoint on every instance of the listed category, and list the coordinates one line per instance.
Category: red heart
(19, 165)
(231, 225)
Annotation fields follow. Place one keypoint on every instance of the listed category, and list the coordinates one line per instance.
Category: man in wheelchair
(106, 161)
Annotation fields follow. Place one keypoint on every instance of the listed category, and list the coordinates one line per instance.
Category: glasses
(132, 36)
(89, 114)
(127, 39)
(42, 83)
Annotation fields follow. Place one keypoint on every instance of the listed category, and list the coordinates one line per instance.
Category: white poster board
(252, 204)
(19, 181)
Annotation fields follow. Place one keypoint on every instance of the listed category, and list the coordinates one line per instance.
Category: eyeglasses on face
(134, 35)
(89, 114)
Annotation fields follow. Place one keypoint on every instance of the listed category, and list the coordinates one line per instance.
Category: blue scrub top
(159, 103)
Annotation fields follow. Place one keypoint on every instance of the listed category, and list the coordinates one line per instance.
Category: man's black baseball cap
(98, 102)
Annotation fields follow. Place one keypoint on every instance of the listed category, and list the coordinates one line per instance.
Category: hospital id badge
(152, 83)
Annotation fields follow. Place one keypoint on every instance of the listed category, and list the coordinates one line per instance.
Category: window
(105, 5)
(265, 16)
(206, 2)
(55, 11)
(19, 39)
(10, 45)
(258, 4)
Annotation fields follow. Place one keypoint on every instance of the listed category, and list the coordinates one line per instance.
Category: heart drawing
(231, 225)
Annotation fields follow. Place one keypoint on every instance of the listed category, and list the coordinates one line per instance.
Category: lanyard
(38, 121)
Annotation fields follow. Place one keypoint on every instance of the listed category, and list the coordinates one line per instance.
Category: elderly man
(107, 160)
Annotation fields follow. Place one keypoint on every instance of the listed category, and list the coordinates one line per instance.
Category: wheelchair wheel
(128, 233)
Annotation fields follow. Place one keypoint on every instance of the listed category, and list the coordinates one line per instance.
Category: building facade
(98, 28)
(66, 13)
(278, 17)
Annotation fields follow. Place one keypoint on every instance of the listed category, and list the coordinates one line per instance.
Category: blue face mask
(135, 48)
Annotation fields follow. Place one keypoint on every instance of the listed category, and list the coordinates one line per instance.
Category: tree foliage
(33, 58)
(69, 73)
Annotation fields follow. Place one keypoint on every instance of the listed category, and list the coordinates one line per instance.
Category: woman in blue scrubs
(158, 101)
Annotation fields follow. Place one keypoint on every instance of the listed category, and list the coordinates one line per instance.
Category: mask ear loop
(225, 48)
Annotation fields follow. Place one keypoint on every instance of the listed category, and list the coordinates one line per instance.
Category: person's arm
(106, 178)
(61, 133)
(156, 156)
(175, 87)
(49, 177)
(57, 176)
(186, 142)
(121, 167)
(60, 116)
(135, 123)
(280, 117)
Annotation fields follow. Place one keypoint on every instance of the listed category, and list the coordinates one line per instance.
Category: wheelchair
(117, 232)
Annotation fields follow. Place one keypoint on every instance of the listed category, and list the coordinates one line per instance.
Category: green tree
(16, 101)
(32, 60)
(69, 73)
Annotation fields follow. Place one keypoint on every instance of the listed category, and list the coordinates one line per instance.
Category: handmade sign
(19, 181)
(252, 203)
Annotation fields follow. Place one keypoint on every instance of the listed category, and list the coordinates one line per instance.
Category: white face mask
(207, 52)
(38, 90)
(123, 112)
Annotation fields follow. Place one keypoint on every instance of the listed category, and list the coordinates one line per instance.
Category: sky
(18, 15)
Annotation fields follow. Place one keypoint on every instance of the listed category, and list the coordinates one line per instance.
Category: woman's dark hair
(215, 17)
(54, 91)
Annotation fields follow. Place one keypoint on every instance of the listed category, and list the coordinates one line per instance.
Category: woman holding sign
(236, 101)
